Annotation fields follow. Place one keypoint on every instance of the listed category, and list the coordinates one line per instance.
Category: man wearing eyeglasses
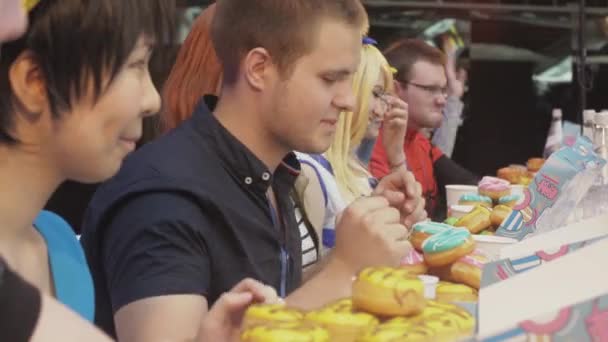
(422, 82)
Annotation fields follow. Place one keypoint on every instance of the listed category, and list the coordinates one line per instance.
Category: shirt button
(265, 176)
(248, 180)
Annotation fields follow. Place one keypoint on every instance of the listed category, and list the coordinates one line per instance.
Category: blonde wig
(351, 175)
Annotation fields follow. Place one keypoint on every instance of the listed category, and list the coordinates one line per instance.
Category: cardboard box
(497, 271)
(574, 278)
(577, 232)
(585, 321)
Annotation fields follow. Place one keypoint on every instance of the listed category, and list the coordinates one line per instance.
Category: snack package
(555, 191)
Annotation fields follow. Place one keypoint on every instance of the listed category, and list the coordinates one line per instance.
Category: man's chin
(317, 148)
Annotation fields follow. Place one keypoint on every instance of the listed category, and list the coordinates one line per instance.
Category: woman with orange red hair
(197, 71)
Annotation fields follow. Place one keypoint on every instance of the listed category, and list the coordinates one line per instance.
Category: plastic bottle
(554, 139)
(596, 201)
(588, 117)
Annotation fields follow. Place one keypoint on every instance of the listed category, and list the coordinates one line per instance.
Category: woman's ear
(28, 84)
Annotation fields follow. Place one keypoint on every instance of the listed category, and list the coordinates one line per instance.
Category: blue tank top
(69, 268)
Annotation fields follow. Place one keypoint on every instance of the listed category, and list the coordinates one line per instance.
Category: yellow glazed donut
(535, 164)
(450, 292)
(499, 214)
(285, 331)
(445, 248)
(399, 333)
(467, 270)
(477, 220)
(270, 313)
(437, 322)
(341, 304)
(388, 292)
(526, 179)
(413, 262)
(448, 322)
(511, 174)
(422, 230)
(342, 323)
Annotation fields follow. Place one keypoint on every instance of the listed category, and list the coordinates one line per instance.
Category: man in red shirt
(421, 82)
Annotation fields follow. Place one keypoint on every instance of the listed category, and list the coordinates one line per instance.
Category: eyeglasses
(381, 95)
(433, 90)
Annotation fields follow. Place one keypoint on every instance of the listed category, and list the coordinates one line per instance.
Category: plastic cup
(459, 211)
(490, 245)
(454, 192)
(430, 285)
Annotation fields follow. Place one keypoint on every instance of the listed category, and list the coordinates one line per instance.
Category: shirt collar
(238, 159)
(411, 134)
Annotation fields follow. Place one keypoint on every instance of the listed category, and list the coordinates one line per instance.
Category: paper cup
(454, 192)
(490, 245)
(459, 211)
(430, 285)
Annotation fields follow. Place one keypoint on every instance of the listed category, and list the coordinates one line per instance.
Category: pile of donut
(449, 253)
(387, 304)
(520, 174)
(491, 205)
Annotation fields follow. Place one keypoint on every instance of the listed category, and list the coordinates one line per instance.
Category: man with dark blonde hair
(208, 204)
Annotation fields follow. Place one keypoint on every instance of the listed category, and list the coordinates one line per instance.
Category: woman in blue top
(73, 92)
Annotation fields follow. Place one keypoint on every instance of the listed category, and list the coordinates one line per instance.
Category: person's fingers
(260, 292)
(395, 198)
(228, 304)
(417, 215)
(396, 232)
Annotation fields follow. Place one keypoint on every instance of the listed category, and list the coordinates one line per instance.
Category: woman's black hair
(77, 43)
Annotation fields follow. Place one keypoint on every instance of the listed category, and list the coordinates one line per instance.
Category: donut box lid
(565, 299)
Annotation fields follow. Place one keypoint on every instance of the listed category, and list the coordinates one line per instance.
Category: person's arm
(169, 318)
(222, 322)
(394, 128)
(158, 274)
(448, 172)
(445, 136)
(157, 267)
(378, 164)
(379, 221)
(28, 315)
(58, 323)
(313, 199)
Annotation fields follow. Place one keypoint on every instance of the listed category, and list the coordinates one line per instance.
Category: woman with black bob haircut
(73, 92)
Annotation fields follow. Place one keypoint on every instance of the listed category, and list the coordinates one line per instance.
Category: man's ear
(257, 66)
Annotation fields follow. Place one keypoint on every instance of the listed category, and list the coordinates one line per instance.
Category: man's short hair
(404, 53)
(288, 29)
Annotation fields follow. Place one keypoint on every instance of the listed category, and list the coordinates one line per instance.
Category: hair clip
(369, 41)
(30, 4)
(393, 70)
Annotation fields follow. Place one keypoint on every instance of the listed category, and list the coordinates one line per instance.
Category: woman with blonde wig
(338, 177)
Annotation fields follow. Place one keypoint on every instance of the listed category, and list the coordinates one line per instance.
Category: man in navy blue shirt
(192, 213)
